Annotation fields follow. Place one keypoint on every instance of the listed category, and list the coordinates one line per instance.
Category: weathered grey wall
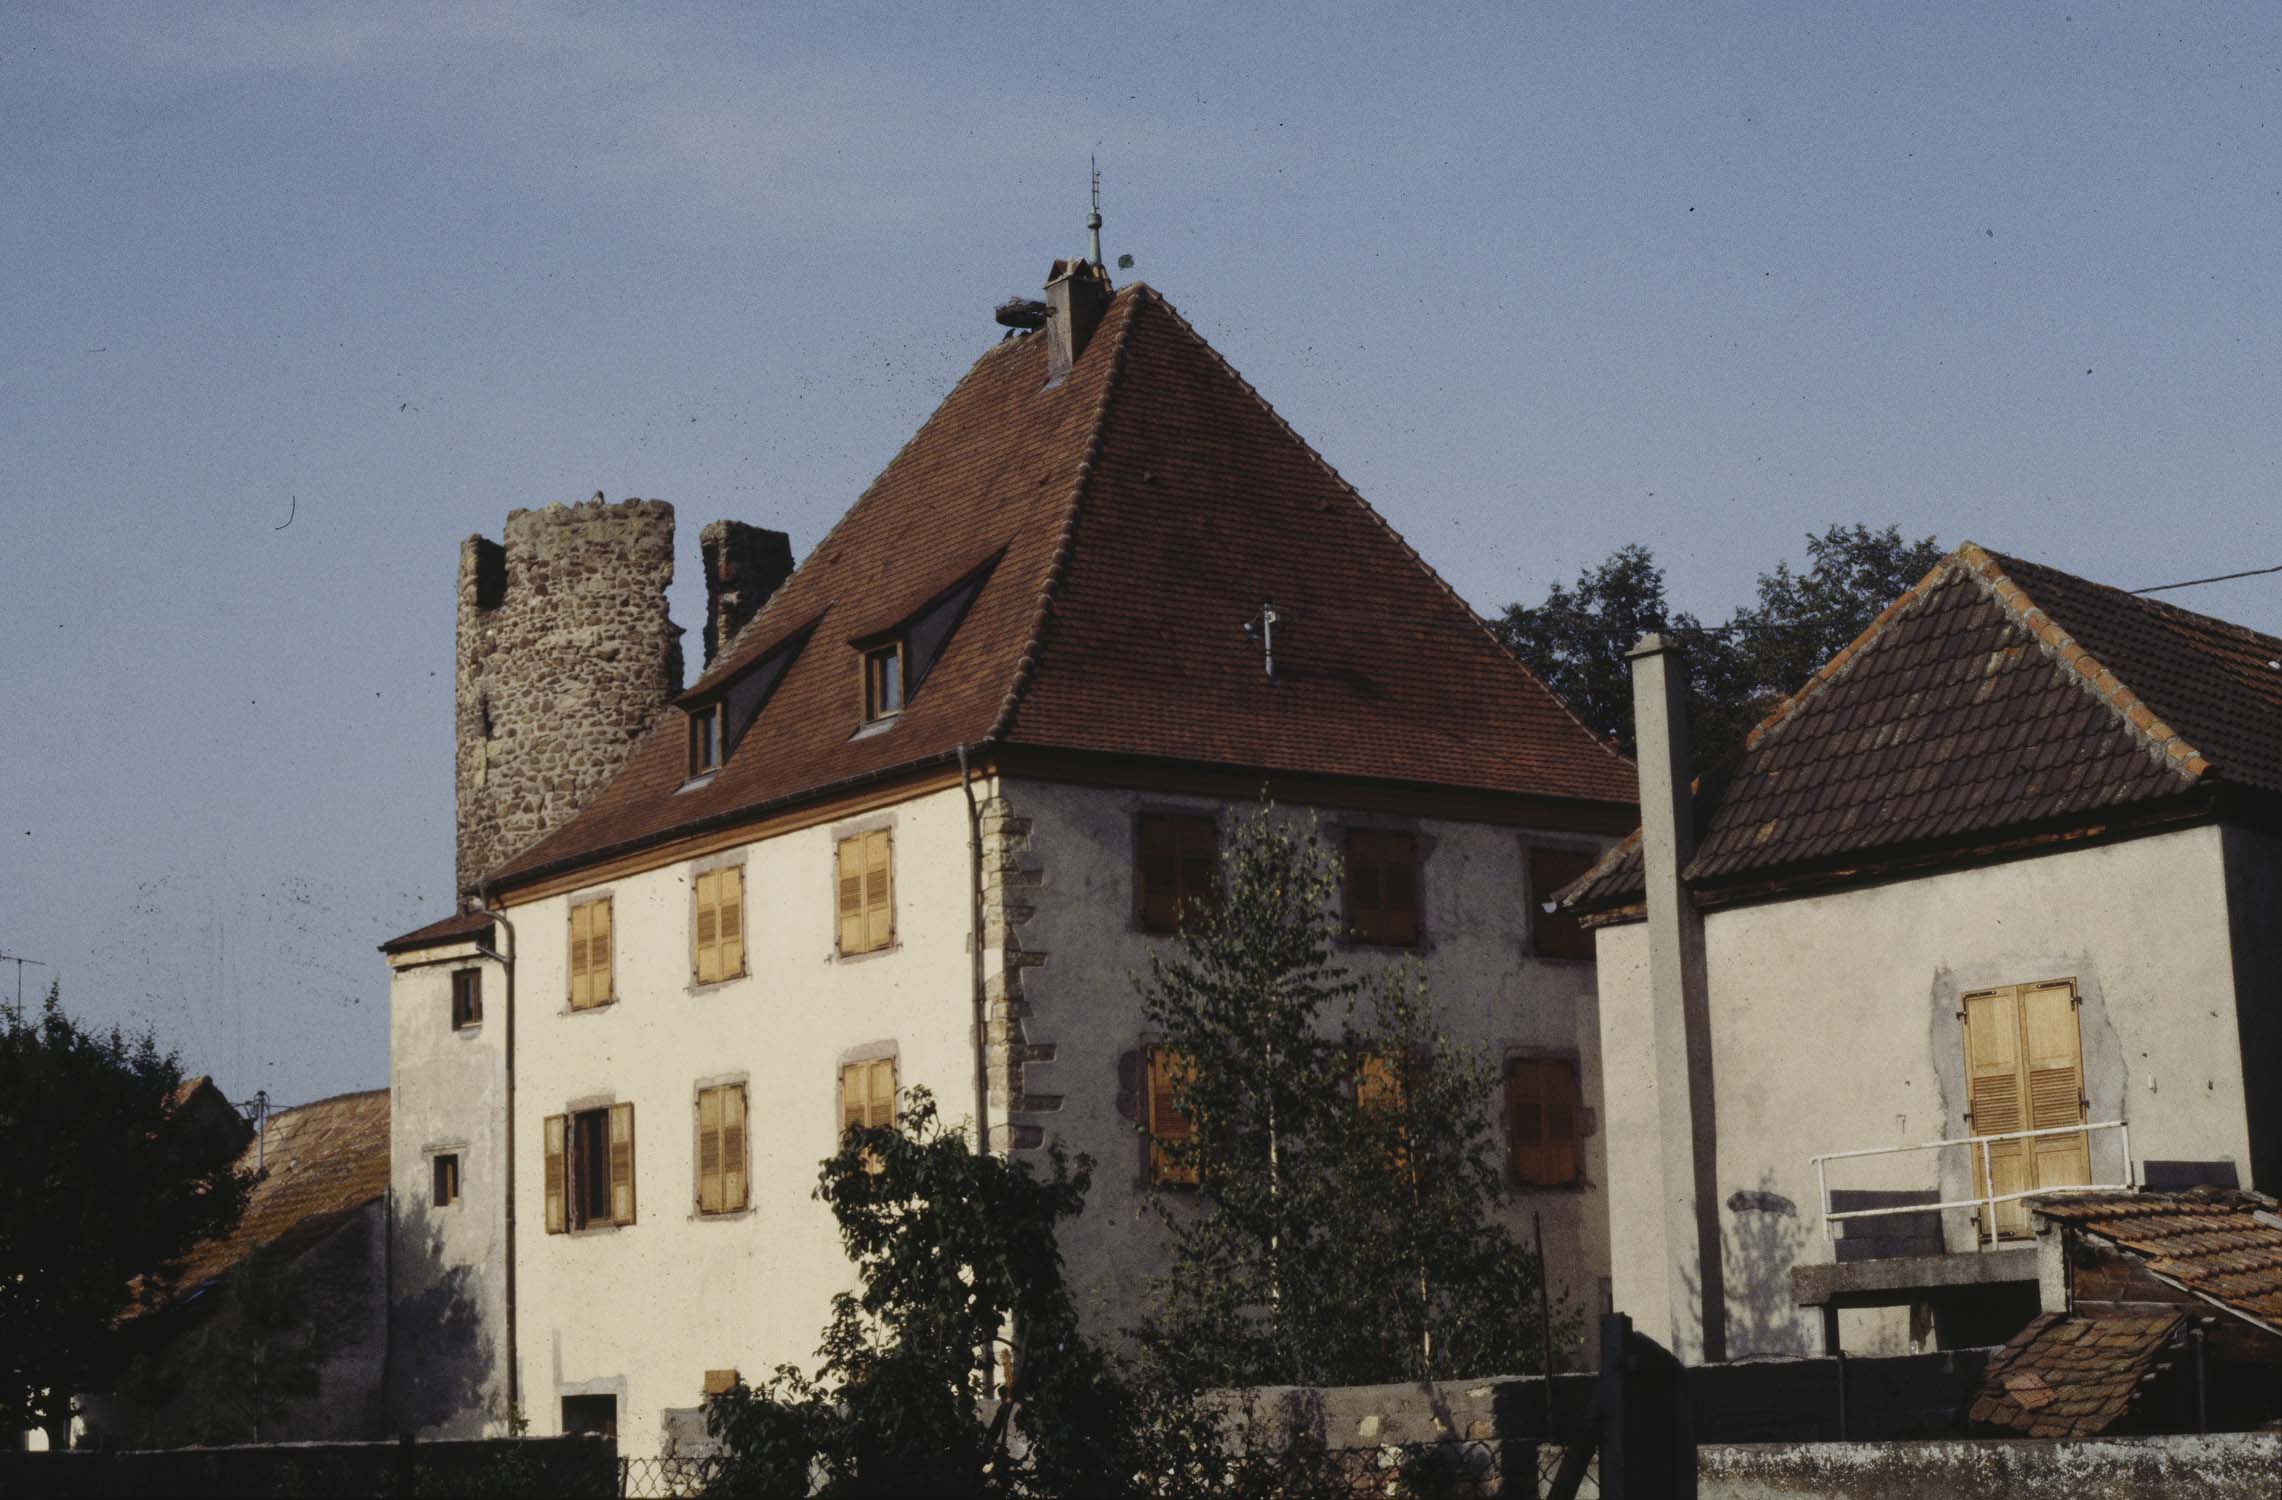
(566, 655)
(2225, 1466)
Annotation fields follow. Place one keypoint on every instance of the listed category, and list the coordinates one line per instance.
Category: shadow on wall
(1760, 1236)
(442, 1359)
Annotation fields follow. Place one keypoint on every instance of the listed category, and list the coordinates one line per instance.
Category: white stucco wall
(1834, 1022)
(447, 1093)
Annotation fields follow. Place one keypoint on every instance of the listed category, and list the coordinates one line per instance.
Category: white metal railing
(1987, 1203)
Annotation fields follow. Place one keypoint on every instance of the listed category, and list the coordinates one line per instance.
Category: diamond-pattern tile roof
(2221, 1244)
(2074, 1377)
(1140, 510)
(1995, 695)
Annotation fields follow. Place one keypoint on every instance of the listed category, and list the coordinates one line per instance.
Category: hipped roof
(1995, 695)
(1140, 510)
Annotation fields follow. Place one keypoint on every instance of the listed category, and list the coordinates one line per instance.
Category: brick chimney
(1077, 294)
(743, 566)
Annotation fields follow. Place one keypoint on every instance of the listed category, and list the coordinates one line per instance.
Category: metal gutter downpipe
(506, 964)
(975, 954)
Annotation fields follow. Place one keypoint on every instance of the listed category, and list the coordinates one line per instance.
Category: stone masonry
(566, 656)
(743, 566)
(1010, 876)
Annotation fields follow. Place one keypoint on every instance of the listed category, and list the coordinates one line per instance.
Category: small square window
(590, 1416)
(447, 1173)
(883, 682)
(705, 739)
(467, 998)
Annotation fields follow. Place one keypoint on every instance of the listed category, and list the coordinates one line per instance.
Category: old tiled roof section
(467, 926)
(321, 1163)
(1995, 694)
(2221, 1244)
(1145, 507)
(2074, 1377)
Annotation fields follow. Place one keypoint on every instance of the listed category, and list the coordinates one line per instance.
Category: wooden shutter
(581, 925)
(879, 890)
(1168, 1070)
(709, 1159)
(1160, 872)
(708, 926)
(1200, 857)
(1366, 904)
(1557, 1088)
(852, 895)
(622, 1163)
(557, 1174)
(1993, 1099)
(733, 1147)
(1378, 1083)
(600, 961)
(2055, 1058)
(867, 1098)
(1525, 1120)
(1398, 881)
(729, 891)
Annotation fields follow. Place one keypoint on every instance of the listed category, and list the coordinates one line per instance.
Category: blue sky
(1540, 279)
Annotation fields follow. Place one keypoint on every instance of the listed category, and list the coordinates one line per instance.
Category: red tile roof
(1141, 510)
(321, 1163)
(2221, 1244)
(2074, 1377)
(1996, 694)
(466, 926)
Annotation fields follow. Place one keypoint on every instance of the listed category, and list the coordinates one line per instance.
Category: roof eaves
(2164, 743)
(1026, 665)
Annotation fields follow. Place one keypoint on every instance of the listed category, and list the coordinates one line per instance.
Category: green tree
(99, 1201)
(1577, 639)
(1342, 1227)
(258, 1352)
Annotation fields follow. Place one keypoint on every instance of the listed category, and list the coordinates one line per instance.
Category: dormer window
(705, 740)
(883, 682)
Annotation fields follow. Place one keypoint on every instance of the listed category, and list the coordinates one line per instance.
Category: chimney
(743, 566)
(1693, 1296)
(1077, 294)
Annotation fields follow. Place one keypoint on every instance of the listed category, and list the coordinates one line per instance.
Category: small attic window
(705, 740)
(883, 682)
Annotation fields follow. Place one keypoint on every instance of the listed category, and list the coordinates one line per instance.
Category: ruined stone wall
(566, 655)
(743, 566)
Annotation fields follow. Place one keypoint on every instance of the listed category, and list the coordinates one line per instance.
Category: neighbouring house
(277, 1331)
(936, 798)
(1991, 906)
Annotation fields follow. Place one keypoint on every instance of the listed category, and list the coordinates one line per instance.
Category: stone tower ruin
(566, 656)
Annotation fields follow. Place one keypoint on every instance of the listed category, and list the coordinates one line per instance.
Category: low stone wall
(569, 1467)
(2224, 1466)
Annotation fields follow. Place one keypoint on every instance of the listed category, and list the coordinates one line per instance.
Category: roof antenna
(1093, 219)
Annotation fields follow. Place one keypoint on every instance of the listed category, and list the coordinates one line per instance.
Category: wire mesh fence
(1457, 1470)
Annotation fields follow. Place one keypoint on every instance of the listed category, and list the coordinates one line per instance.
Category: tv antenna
(1093, 218)
(19, 963)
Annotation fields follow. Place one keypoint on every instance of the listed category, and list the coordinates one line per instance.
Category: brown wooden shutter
(709, 1183)
(1525, 1119)
(1558, 1090)
(1993, 1098)
(729, 891)
(622, 1163)
(852, 895)
(733, 1147)
(708, 927)
(879, 890)
(1366, 905)
(1160, 872)
(1167, 1125)
(1200, 858)
(557, 1175)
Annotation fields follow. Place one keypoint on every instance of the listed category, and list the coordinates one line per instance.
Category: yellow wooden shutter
(708, 927)
(733, 1147)
(855, 1093)
(1168, 1127)
(709, 1183)
(1993, 1097)
(581, 992)
(729, 891)
(622, 1163)
(2055, 1084)
(852, 895)
(556, 1176)
(882, 1108)
(879, 890)
(599, 957)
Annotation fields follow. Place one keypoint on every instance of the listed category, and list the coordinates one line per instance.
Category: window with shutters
(866, 892)
(1172, 1134)
(589, 1178)
(447, 1178)
(706, 744)
(2024, 1070)
(1541, 1121)
(717, 924)
(1379, 1095)
(1179, 866)
(722, 1166)
(1382, 887)
(592, 965)
(867, 1099)
(1557, 934)
(467, 998)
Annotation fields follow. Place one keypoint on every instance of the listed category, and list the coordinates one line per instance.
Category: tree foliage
(99, 1201)
(238, 1374)
(1336, 1234)
(1577, 639)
